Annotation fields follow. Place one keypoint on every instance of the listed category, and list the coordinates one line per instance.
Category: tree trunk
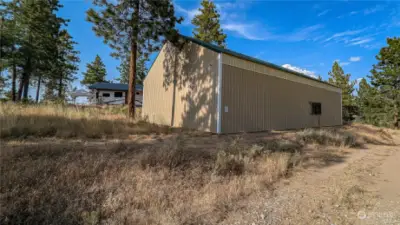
(132, 64)
(132, 81)
(21, 86)
(38, 88)
(26, 87)
(60, 87)
(14, 79)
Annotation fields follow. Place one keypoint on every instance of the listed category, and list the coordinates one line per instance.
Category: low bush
(326, 137)
(229, 164)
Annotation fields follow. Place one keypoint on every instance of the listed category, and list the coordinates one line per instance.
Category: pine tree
(207, 25)
(365, 100)
(67, 62)
(63, 68)
(342, 80)
(95, 72)
(385, 79)
(10, 37)
(134, 26)
(32, 28)
(141, 70)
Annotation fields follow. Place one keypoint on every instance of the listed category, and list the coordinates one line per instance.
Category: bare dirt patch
(359, 187)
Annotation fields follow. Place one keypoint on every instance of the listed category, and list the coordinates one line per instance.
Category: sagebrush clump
(326, 137)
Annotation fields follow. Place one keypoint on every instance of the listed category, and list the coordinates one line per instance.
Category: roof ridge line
(218, 49)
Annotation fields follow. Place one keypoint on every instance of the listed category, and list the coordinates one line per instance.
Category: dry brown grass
(127, 183)
(373, 135)
(174, 179)
(327, 137)
(21, 121)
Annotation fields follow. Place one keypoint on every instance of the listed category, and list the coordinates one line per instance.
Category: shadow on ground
(64, 127)
(58, 181)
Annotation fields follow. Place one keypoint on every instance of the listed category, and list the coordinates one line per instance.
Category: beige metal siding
(256, 102)
(190, 101)
(157, 97)
(259, 68)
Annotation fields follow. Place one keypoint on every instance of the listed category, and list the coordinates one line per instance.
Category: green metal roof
(249, 58)
(113, 86)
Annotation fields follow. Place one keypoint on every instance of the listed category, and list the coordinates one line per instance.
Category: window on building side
(106, 94)
(118, 94)
(316, 108)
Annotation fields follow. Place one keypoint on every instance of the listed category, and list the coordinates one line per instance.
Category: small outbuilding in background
(113, 94)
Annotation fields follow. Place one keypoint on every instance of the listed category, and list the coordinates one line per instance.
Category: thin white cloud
(188, 14)
(361, 41)
(352, 13)
(231, 5)
(247, 31)
(372, 46)
(355, 58)
(227, 10)
(344, 34)
(341, 63)
(375, 9)
(368, 11)
(257, 32)
(395, 14)
(306, 33)
(300, 70)
(323, 12)
(344, 63)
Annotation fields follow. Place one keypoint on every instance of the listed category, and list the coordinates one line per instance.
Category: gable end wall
(180, 88)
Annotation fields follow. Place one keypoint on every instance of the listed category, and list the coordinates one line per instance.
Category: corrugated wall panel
(190, 101)
(252, 66)
(157, 93)
(259, 102)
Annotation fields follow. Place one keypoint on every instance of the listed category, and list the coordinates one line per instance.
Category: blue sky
(305, 36)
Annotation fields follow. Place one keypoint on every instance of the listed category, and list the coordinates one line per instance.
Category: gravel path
(363, 187)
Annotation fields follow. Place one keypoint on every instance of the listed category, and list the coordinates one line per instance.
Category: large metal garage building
(205, 87)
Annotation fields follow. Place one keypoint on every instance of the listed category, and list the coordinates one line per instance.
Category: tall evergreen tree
(367, 103)
(10, 36)
(141, 70)
(32, 31)
(67, 59)
(63, 69)
(385, 79)
(95, 72)
(207, 25)
(134, 26)
(338, 78)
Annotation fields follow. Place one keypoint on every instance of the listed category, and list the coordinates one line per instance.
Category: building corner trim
(219, 93)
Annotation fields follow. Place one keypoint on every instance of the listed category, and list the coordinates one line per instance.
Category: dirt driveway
(364, 188)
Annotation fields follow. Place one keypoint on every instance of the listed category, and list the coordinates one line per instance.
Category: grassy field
(66, 165)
